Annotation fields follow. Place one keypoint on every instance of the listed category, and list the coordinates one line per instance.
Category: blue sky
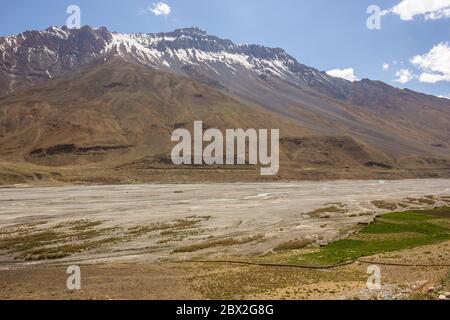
(325, 34)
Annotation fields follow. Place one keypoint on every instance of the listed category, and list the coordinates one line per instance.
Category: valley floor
(303, 240)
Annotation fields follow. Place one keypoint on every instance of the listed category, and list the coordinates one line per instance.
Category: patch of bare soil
(104, 282)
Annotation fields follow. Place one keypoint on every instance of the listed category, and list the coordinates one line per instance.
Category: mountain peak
(183, 49)
(194, 31)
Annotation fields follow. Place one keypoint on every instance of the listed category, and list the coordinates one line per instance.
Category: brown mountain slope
(399, 122)
(406, 125)
(112, 121)
(115, 107)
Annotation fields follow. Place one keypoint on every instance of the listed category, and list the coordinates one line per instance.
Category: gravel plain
(271, 213)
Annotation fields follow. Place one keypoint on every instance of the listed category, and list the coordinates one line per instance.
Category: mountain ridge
(156, 50)
(105, 41)
(374, 123)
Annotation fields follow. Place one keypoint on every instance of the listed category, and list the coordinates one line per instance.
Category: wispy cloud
(404, 76)
(347, 74)
(430, 9)
(385, 66)
(435, 65)
(160, 9)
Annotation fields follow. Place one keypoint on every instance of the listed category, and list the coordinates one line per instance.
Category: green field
(391, 232)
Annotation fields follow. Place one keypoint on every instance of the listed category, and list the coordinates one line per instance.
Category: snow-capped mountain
(39, 55)
(73, 97)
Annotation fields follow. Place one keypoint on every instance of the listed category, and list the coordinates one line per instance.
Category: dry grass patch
(385, 205)
(218, 243)
(254, 282)
(167, 228)
(293, 245)
(421, 201)
(64, 239)
(328, 209)
(58, 252)
(41, 242)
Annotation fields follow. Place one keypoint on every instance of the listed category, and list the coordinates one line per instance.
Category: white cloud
(435, 65)
(404, 76)
(430, 9)
(433, 78)
(445, 97)
(347, 74)
(385, 66)
(160, 9)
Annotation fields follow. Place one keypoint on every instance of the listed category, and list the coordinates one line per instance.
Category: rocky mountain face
(40, 55)
(114, 107)
(43, 70)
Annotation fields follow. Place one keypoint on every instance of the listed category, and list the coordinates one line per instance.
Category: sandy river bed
(271, 213)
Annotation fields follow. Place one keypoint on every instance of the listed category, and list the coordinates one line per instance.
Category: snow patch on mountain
(56, 50)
